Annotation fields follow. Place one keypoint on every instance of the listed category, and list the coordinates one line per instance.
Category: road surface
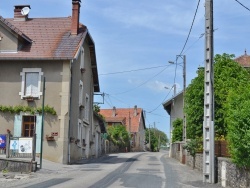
(139, 170)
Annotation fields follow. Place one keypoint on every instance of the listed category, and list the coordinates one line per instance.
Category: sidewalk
(183, 176)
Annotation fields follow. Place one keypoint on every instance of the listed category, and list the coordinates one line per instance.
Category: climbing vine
(17, 109)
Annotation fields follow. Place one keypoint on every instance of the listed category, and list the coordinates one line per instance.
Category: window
(80, 93)
(31, 83)
(86, 116)
(82, 68)
(28, 126)
(80, 131)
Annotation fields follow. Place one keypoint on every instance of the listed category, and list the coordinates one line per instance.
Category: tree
(119, 136)
(191, 146)
(157, 138)
(238, 120)
(227, 76)
(194, 105)
(177, 130)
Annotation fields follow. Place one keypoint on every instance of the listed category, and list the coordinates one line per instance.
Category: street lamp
(183, 57)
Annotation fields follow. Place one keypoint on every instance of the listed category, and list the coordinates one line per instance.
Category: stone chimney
(75, 16)
(114, 112)
(18, 16)
(135, 110)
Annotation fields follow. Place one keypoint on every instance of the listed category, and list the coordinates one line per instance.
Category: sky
(135, 40)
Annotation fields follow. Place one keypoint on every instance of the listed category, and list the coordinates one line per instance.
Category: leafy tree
(238, 120)
(118, 135)
(194, 105)
(157, 138)
(191, 147)
(227, 76)
(177, 130)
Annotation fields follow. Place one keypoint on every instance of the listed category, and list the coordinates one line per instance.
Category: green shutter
(38, 133)
(18, 126)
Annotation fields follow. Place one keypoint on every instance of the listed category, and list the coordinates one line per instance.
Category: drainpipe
(71, 62)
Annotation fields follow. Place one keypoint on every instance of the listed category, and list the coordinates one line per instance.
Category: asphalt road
(133, 170)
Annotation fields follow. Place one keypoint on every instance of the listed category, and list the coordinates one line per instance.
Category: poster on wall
(2, 140)
(25, 145)
(14, 144)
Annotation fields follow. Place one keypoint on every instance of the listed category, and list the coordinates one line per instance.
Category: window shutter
(18, 126)
(38, 133)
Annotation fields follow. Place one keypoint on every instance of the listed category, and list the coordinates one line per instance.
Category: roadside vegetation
(119, 136)
(157, 139)
(232, 107)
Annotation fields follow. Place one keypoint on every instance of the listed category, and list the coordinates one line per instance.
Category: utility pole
(149, 138)
(208, 124)
(184, 132)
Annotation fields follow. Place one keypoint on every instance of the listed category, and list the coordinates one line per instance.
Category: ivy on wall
(32, 110)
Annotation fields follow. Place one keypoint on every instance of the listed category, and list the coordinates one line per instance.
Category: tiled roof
(243, 60)
(51, 38)
(16, 30)
(127, 113)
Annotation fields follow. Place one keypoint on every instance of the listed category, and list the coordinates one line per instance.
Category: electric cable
(143, 82)
(242, 5)
(133, 70)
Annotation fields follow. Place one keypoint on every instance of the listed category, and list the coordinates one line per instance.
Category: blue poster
(2, 140)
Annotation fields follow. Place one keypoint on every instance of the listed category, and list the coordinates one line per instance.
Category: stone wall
(231, 176)
(198, 161)
(16, 165)
(226, 173)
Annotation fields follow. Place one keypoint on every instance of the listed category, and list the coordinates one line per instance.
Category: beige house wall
(77, 151)
(57, 74)
(8, 40)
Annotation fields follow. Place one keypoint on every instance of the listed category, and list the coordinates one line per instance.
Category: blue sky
(131, 37)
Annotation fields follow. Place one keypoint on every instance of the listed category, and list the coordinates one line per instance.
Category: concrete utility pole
(149, 138)
(184, 132)
(208, 124)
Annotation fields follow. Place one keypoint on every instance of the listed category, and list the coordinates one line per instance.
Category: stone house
(133, 119)
(62, 51)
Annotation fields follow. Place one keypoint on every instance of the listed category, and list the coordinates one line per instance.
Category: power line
(187, 37)
(191, 27)
(143, 82)
(133, 70)
(242, 5)
(161, 102)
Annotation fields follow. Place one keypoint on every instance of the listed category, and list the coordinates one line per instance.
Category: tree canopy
(118, 135)
(227, 76)
(157, 138)
(177, 130)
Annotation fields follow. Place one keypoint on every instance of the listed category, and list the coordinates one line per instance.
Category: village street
(114, 170)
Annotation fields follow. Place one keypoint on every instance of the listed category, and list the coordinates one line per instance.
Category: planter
(50, 138)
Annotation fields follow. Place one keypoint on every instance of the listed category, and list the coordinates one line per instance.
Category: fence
(221, 149)
(20, 147)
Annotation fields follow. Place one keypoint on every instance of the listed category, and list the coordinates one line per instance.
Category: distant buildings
(133, 119)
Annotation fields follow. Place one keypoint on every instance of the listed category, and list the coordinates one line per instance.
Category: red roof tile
(16, 30)
(127, 113)
(51, 38)
(243, 60)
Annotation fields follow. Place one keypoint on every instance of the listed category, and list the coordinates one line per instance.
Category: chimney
(20, 15)
(135, 110)
(75, 16)
(114, 112)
